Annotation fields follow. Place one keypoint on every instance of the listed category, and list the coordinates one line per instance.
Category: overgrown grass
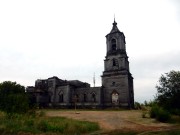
(122, 132)
(40, 124)
(169, 132)
(126, 132)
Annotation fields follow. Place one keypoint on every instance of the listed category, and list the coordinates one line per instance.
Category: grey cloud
(176, 4)
(156, 64)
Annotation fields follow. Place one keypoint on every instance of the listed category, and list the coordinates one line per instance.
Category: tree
(13, 98)
(168, 91)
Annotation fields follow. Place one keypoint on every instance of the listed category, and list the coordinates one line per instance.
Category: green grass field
(44, 125)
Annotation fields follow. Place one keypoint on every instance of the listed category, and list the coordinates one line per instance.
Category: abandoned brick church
(117, 82)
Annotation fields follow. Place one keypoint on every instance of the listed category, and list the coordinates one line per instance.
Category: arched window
(85, 98)
(115, 97)
(50, 95)
(61, 97)
(113, 44)
(93, 97)
(114, 62)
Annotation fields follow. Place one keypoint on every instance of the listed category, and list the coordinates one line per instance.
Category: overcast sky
(66, 38)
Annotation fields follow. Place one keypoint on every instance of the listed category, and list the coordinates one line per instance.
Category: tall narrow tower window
(114, 62)
(113, 44)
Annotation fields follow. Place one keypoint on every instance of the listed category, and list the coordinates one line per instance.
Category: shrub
(13, 98)
(137, 105)
(159, 114)
(168, 90)
(175, 111)
(144, 114)
(153, 111)
(163, 115)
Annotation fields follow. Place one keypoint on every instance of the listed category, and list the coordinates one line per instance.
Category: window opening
(114, 62)
(113, 44)
(49, 98)
(113, 83)
(61, 97)
(85, 98)
(93, 97)
(115, 97)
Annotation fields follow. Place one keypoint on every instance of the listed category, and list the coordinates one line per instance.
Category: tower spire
(114, 23)
(114, 28)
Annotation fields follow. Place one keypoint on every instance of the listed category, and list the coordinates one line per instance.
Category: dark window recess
(85, 98)
(94, 97)
(113, 83)
(113, 44)
(114, 62)
(49, 98)
(61, 98)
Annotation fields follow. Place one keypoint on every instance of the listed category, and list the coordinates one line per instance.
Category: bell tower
(117, 81)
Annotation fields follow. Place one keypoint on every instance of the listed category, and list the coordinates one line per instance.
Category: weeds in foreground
(129, 132)
(41, 124)
(169, 132)
(120, 132)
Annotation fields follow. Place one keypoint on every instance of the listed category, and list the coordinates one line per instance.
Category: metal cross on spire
(94, 81)
(114, 17)
(114, 23)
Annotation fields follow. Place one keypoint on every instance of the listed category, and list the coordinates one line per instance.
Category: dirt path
(113, 120)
